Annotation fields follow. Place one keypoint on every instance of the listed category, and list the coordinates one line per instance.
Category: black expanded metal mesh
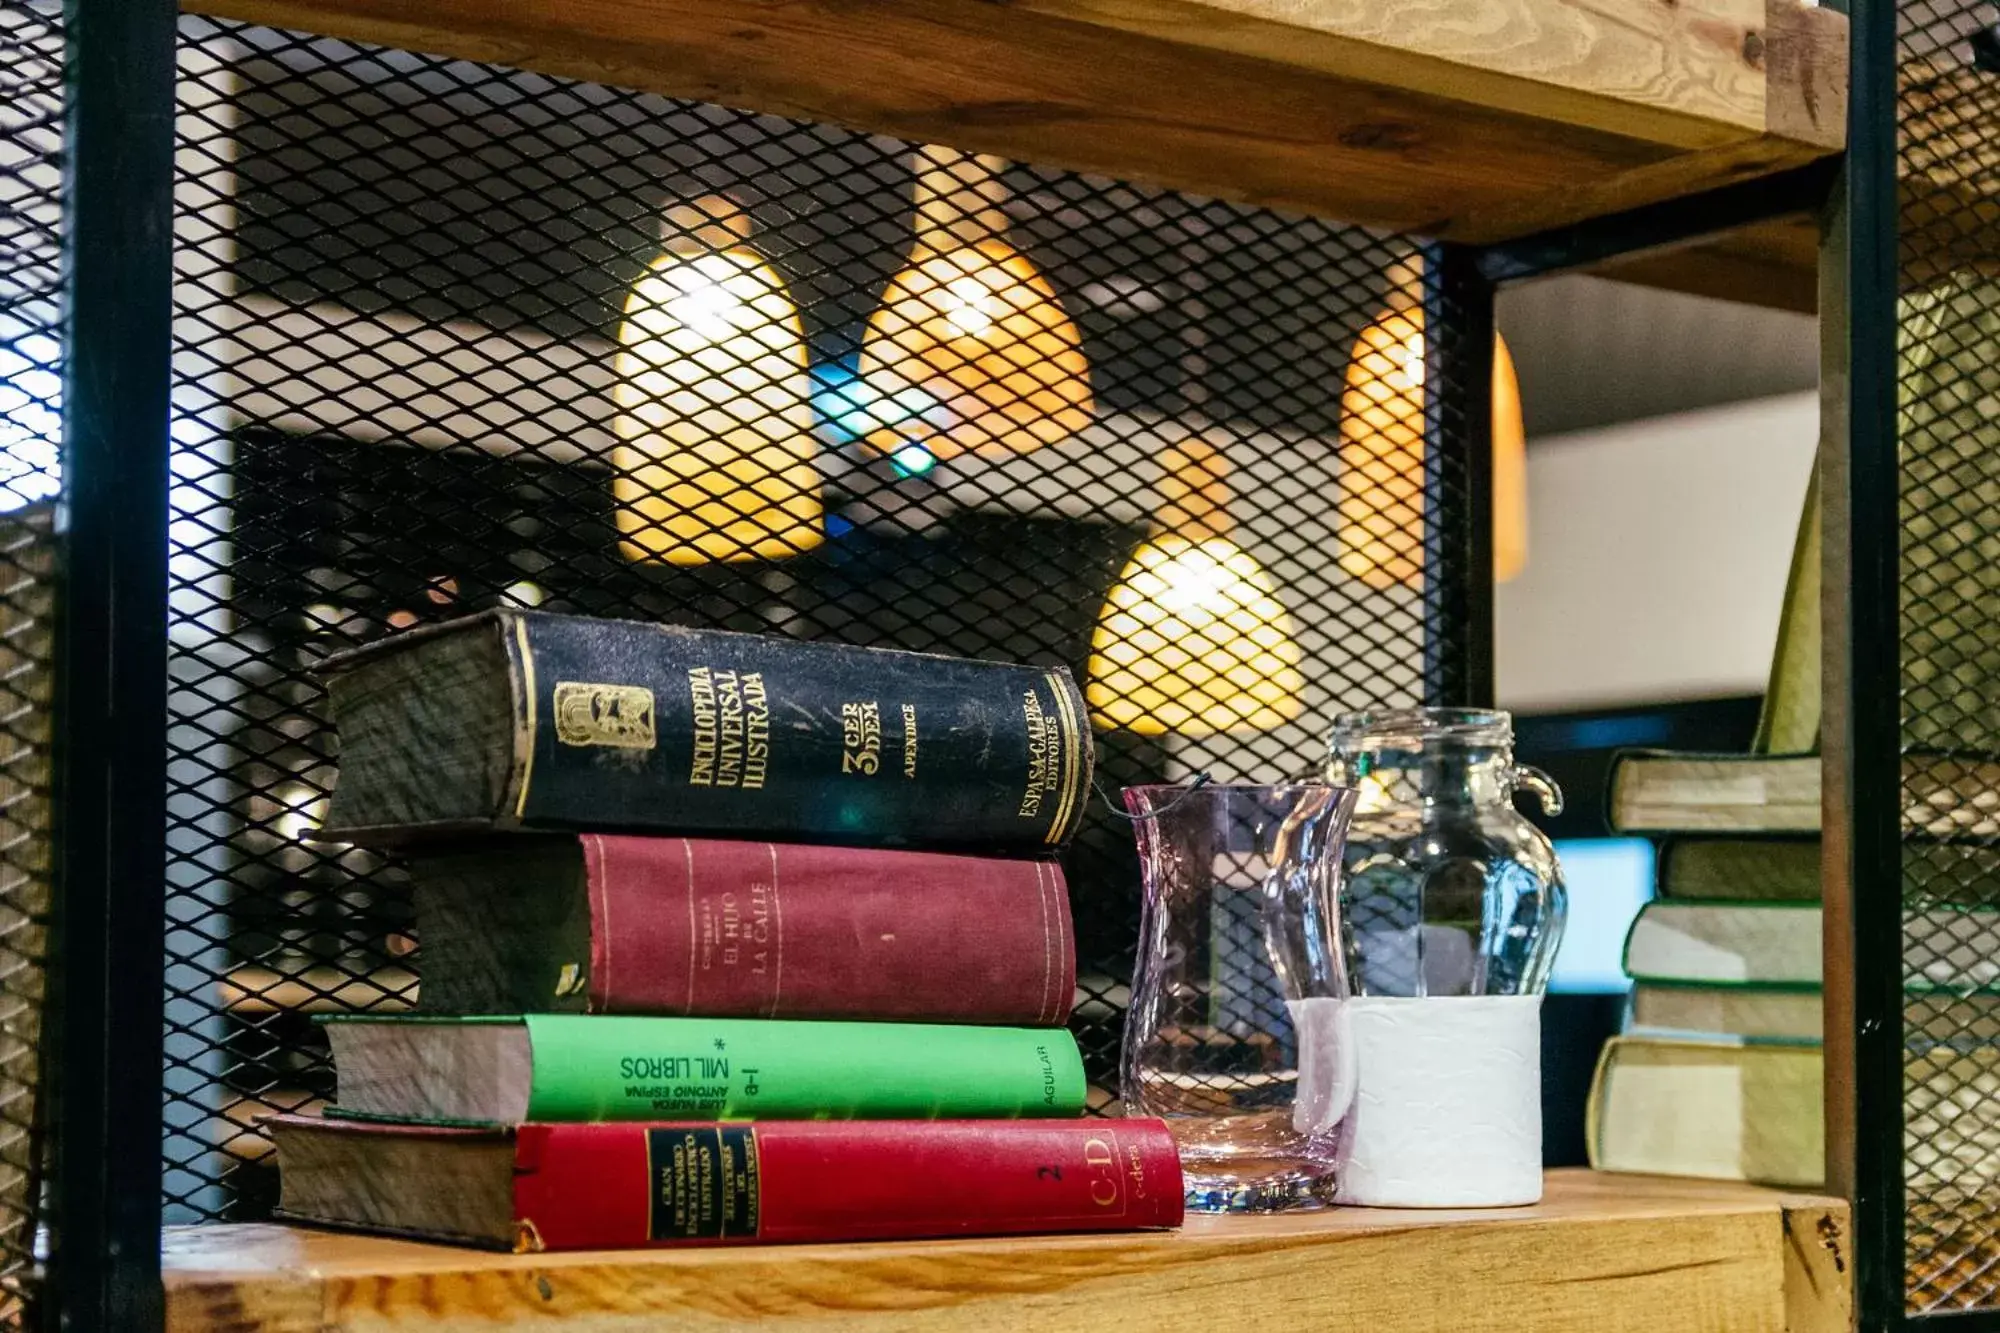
(31, 142)
(1949, 387)
(450, 336)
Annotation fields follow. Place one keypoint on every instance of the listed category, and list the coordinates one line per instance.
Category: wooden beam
(1772, 264)
(1473, 119)
(1690, 73)
(1599, 1253)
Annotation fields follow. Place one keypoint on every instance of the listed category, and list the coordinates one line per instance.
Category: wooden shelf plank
(1600, 1253)
(1471, 119)
(1774, 264)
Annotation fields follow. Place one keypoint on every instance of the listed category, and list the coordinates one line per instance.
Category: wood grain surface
(1600, 1253)
(1689, 74)
(1473, 119)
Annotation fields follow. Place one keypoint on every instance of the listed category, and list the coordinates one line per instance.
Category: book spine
(592, 1067)
(610, 1186)
(699, 926)
(658, 727)
(1754, 868)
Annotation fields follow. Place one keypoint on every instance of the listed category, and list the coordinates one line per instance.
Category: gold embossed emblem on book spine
(618, 716)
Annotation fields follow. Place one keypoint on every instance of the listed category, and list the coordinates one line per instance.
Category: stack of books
(724, 938)
(1720, 1071)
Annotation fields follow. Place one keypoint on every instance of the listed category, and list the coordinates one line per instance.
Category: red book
(610, 924)
(610, 1186)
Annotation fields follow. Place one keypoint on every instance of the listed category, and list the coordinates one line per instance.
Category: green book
(1950, 782)
(1721, 1110)
(1677, 791)
(1776, 945)
(1765, 1014)
(1737, 944)
(1786, 869)
(1748, 869)
(1775, 787)
(1945, 795)
(1753, 1110)
(1728, 1011)
(1789, 720)
(587, 1067)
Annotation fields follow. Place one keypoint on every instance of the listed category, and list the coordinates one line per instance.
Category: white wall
(1657, 557)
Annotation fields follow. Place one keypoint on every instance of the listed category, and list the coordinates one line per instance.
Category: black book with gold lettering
(525, 720)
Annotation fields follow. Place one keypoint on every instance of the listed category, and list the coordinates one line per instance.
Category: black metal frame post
(110, 725)
(1458, 479)
(1861, 730)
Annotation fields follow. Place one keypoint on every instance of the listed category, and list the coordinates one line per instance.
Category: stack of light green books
(1719, 1071)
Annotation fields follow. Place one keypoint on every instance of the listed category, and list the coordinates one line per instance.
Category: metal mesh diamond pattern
(450, 335)
(1948, 386)
(31, 110)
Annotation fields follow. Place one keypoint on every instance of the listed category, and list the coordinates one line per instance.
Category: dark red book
(712, 928)
(611, 1186)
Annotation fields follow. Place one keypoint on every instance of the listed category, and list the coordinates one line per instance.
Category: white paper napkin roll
(1448, 1108)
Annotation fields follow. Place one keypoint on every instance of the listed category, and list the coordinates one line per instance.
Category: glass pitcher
(1449, 889)
(1232, 1037)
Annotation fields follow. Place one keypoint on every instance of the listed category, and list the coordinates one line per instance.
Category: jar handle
(1542, 785)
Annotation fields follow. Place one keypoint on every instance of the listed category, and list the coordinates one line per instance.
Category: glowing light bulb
(327, 617)
(712, 304)
(1410, 375)
(715, 453)
(1193, 639)
(969, 308)
(1381, 505)
(1510, 469)
(973, 324)
(301, 810)
(1198, 585)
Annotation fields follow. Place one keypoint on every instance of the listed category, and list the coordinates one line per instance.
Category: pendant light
(1381, 507)
(971, 323)
(714, 459)
(1510, 468)
(1192, 638)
